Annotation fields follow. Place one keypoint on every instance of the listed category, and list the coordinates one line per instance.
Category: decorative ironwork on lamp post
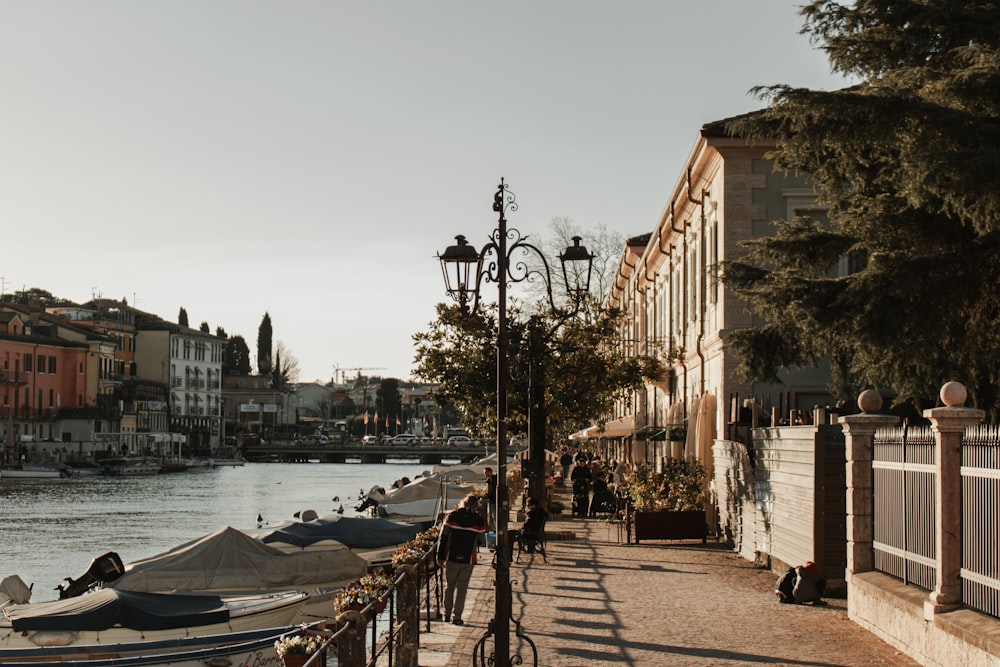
(465, 269)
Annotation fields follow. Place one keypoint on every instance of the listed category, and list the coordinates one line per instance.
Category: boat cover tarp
(427, 488)
(351, 531)
(422, 499)
(107, 608)
(230, 560)
(462, 474)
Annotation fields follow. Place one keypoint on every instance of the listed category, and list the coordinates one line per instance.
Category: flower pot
(670, 525)
(299, 659)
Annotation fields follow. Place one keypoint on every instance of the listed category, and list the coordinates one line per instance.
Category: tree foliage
(604, 244)
(389, 399)
(33, 295)
(290, 369)
(182, 316)
(582, 377)
(236, 356)
(264, 345)
(907, 162)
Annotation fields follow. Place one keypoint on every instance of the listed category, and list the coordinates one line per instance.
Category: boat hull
(235, 648)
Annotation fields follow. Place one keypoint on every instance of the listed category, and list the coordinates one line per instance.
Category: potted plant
(295, 650)
(353, 597)
(408, 554)
(377, 584)
(668, 505)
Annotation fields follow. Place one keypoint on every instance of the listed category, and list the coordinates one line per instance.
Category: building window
(52, 365)
(29, 363)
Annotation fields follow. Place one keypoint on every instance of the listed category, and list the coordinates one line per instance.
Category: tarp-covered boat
(230, 560)
(353, 532)
(422, 500)
(109, 616)
(254, 647)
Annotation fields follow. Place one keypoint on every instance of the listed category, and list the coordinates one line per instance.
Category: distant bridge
(355, 452)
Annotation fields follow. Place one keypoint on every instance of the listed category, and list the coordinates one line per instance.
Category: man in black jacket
(461, 535)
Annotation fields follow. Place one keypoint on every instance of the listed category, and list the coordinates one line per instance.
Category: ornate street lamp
(465, 269)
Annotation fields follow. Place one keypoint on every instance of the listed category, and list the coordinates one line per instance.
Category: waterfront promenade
(601, 602)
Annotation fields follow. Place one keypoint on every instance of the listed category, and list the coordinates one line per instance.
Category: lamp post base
(479, 656)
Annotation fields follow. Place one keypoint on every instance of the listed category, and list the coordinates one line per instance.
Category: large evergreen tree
(264, 344)
(907, 163)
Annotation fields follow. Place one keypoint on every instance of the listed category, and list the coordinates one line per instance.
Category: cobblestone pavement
(600, 602)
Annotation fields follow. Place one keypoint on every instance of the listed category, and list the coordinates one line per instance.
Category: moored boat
(230, 562)
(255, 647)
(109, 617)
(128, 466)
(36, 471)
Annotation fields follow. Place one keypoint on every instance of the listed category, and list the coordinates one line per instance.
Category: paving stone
(599, 602)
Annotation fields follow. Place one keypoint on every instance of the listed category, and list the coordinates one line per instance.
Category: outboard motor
(103, 569)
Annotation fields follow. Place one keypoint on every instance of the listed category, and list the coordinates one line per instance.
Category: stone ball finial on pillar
(870, 401)
(953, 394)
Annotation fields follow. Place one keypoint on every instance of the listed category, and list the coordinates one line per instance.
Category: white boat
(109, 617)
(128, 466)
(420, 501)
(227, 455)
(255, 647)
(230, 562)
(37, 471)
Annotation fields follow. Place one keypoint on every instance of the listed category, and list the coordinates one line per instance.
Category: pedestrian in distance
(581, 478)
(491, 499)
(566, 460)
(461, 534)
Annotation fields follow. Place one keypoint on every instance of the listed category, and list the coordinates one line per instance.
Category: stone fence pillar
(351, 645)
(859, 433)
(948, 424)
(407, 607)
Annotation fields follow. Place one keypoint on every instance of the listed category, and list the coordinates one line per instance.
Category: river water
(52, 529)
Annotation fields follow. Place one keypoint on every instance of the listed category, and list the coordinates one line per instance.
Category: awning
(651, 433)
(616, 428)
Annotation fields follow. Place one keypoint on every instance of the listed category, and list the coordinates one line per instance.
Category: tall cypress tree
(907, 162)
(264, 365)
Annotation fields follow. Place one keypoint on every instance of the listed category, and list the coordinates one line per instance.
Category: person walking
(566, 460)
(462, 532)
(491, 499)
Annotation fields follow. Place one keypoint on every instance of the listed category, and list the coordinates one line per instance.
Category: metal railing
(387, 631)
(905, 540)
(981, 519)
(904, 475)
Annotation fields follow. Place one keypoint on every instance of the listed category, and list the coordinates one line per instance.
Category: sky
(309, 159)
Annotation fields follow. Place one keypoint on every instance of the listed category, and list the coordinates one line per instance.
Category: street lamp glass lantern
(460, 267)
(577, 263)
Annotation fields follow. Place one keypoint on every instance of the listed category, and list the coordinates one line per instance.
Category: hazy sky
(309, 159)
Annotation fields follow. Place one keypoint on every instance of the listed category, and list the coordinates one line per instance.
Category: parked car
(369, 440)
(461, 441)
(314, 440)
(404, 439)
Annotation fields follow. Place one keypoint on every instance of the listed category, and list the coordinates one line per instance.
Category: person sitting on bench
(530, 533)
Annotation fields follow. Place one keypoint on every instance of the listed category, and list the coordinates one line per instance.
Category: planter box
(670, 525)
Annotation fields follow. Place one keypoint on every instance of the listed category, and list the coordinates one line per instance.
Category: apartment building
(189, 363)
(679, 309)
